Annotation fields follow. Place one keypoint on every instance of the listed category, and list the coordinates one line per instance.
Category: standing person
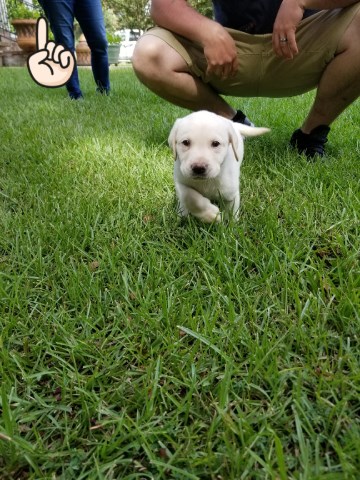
(61, 15)
(264, 48)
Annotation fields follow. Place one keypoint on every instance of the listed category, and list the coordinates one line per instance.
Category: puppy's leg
(232, 207)
(182, 210)
(199, 206)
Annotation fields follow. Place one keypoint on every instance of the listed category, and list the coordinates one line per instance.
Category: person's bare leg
(340, 84)
(165, 72)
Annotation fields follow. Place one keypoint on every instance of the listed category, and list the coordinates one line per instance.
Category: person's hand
(288, 18)
(220, 53)
(51, 65)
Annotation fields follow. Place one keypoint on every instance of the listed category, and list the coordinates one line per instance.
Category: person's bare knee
(166, 73)
(154, 59)
(145, 55)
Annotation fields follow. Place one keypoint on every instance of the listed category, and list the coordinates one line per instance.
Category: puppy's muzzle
(199, 169)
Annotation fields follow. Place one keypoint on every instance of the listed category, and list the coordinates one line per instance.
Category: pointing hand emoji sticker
(51, 65)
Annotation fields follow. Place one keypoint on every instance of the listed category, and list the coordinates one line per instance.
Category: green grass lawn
(134, 345)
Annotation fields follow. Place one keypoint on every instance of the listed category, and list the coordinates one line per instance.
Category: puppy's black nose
(198, 169)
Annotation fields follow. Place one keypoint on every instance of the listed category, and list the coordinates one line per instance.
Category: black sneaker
(240, 117)
(312, 143)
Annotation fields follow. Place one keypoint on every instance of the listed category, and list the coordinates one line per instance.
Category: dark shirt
(251, 16)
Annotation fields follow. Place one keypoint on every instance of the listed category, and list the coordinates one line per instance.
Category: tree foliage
(203, 6)
(132, 14)
(19, 9)
(135, 14)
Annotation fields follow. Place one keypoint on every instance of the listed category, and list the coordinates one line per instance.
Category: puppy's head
(202, 141)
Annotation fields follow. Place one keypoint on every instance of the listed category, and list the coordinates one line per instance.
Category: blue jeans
(88, 13)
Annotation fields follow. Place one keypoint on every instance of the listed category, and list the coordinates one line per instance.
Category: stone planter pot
(83, 52)
(26, 34)
(113, 53)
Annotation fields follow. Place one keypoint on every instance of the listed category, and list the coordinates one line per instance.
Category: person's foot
(313, 143)
(103, 90)
(240, 117)
(76, 96)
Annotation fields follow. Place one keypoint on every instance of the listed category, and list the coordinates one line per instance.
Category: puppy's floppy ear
(172, 137)
(233, 139)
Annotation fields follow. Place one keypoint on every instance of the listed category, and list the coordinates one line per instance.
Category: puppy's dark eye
(186, 143)
(215, 143)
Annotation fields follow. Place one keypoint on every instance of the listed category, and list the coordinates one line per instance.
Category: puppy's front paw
(211, 215)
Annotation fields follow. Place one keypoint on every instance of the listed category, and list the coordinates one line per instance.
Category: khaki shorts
(261, 72)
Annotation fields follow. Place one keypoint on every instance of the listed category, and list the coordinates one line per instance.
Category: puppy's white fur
(208, 152)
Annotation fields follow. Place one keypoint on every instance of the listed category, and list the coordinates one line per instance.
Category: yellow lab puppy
(208, 152)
